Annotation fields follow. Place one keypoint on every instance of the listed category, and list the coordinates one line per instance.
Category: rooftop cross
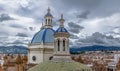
(48, 9)
(61, 16)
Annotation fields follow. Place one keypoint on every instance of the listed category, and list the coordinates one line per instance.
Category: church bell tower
(61, 43)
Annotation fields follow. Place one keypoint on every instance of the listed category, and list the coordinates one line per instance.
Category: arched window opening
(63, 45)
(51, 58)
(58, 45)
(49, 21)
(46, 21)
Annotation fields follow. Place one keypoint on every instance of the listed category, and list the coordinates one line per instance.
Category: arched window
(49, 21)
(64, 45)
(51, 58)
(58, 43)
(46, 21)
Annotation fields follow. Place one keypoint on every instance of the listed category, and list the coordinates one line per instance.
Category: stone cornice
(32, 44)
(62, 34)
(43, 49)
(61, 54)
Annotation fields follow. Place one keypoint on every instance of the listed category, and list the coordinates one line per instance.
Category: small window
(46, 21)
(49, 21)
(51, 58)
(63, 45)
(58, 45)
(34, 58)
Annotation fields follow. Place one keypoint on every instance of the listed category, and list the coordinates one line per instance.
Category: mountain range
(73, 49)
(77, 49)
(13, 49)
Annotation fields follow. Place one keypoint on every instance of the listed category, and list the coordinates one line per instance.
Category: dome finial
(48, 9)
(61, 16)
(62, 21)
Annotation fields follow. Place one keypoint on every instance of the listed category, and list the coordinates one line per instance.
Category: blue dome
(45, 35)
(61, 29)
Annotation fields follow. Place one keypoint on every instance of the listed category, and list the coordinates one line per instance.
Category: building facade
(42, 44)
(15, 63)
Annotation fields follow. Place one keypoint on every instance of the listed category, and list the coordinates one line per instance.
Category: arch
(58, 44)
(64, 40)
(48, 21)
(50, 58)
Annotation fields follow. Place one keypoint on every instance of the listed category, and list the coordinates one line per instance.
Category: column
(61, 45)
(66, 45)
(47, 21)
(55, 44)
(51, 22)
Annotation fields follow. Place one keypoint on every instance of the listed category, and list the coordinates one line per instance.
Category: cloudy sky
(90, 22)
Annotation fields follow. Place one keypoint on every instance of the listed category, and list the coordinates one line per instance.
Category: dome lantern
(61, 27)
(61, 21)
(48, 19)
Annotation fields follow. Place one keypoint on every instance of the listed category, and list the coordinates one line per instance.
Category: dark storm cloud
(5, 17)
(17, 42)
(72, 36)
(77, 3)
(22, 35)
(32, 28)
(74, 28)
(25, 11)
(16, 26)
(98, 38)
(35, 9)
(74, 25)
(98, 8)
(83, 15)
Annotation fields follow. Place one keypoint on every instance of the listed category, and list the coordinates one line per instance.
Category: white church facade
(48, 43)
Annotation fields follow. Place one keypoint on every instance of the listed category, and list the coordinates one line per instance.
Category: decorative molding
(62, 34)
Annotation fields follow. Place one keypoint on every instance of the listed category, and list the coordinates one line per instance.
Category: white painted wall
(39, 54)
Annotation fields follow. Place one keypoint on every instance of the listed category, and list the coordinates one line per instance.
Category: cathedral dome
(45, 35)
(61, 29)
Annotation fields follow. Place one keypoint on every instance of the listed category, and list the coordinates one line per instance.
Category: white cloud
(102, 25)
(99, 39)
(11, 28)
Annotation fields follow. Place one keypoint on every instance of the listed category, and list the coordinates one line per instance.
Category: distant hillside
(74, 49)
(94, 48)
(13, 49)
